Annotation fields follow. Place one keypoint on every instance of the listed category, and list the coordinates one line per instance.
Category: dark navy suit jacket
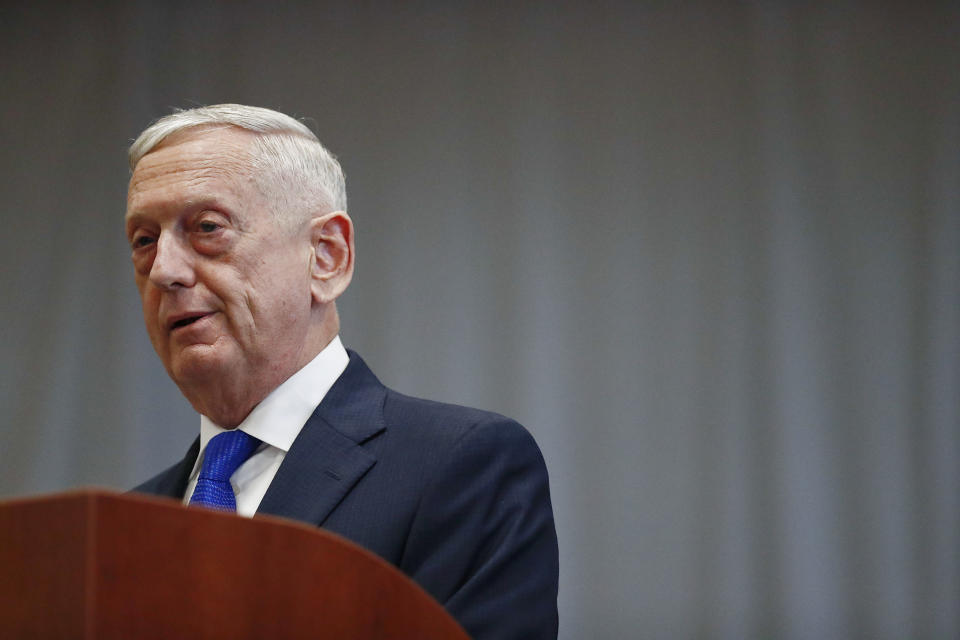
(456, 498)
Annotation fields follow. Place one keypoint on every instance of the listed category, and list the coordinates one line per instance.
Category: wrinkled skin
(234, 303)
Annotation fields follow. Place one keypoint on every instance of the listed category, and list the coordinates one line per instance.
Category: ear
(331, 268)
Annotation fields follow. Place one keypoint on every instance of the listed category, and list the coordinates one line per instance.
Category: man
(241, 245)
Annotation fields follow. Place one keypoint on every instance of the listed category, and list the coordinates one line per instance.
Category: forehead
(210, 164)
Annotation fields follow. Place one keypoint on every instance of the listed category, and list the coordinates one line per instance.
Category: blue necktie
(224, 454)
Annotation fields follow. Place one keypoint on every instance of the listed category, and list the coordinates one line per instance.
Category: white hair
(288, 161)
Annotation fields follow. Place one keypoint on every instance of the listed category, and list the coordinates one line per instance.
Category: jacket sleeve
(483, 539)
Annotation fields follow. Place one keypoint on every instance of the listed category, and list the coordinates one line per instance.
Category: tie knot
(225, 453)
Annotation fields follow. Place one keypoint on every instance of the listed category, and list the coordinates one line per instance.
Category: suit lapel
(173, 482)
(327, 458)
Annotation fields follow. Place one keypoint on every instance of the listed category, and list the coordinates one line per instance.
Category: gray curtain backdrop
(709, 254)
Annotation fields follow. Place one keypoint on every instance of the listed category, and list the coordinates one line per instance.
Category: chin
(197, 365)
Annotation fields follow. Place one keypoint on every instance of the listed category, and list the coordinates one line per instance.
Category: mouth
(185, 320)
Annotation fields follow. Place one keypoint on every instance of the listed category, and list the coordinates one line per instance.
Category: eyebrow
(131, 222)
(133, 218)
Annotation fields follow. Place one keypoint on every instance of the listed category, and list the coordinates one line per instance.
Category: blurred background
(707, 253)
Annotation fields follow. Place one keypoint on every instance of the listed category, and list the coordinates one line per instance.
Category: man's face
(225, 289)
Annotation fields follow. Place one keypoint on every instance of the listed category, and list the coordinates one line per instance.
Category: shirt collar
(278, 418)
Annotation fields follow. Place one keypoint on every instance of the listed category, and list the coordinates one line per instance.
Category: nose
(172, 263)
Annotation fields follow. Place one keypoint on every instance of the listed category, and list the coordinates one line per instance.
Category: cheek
(150, 304)
(283, 288)
(265, 296)
(140, 281)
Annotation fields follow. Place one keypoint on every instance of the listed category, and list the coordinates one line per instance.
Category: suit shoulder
(449, 420)
(443, 426)
(481, 537)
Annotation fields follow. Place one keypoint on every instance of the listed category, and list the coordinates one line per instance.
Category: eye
(210, 232)
(141, 240)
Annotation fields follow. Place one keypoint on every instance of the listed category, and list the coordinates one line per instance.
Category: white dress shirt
(276, 422)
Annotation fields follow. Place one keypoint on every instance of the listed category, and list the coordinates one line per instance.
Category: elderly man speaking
(241, 244)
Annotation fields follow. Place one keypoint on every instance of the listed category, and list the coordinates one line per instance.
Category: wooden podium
(98, 565)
